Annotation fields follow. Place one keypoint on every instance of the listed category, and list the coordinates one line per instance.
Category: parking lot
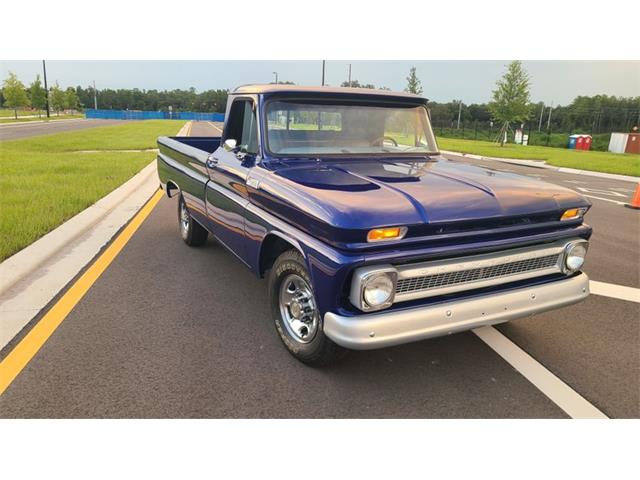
(173, 331)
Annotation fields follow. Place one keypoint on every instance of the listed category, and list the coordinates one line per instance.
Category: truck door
(226, 193)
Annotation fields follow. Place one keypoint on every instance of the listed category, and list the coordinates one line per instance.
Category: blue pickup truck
(367, 235)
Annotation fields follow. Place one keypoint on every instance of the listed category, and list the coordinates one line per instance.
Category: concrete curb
(543, 164)
(31, 278)
(21, 264)
(610, 176)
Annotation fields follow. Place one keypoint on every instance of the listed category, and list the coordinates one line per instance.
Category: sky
(468, 80)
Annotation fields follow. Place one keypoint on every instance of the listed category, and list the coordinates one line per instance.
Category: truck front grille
(471, 275)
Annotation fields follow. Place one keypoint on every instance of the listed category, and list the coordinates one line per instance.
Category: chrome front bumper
(377, 330)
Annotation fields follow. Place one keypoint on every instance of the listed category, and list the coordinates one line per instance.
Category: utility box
(625, 143)
(633, 144)
(580, 141)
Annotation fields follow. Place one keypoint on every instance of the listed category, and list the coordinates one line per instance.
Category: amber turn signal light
(381, 234)
(573, 213)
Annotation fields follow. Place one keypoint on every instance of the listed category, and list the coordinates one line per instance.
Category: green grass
(38, 119)
(46, 180)
(624, 164)
(600, 141)
(7, 112)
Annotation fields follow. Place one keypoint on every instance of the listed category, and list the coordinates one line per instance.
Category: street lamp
(276, 74)
(46, 88)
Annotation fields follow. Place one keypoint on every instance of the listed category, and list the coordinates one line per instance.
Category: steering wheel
(383, 138)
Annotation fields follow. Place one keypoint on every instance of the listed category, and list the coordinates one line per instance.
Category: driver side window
(243, 126)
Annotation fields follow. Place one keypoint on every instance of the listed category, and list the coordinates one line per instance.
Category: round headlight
(378, 290)
(574, 259)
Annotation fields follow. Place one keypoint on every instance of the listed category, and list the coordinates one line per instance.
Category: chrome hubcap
(298, 309)
(184, 220)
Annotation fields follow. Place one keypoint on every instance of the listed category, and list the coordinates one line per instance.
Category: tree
(511, 98)
(37, 94)
(71, 99)
(58, 98)
(414, 85)
(14, 93)
(357, 84)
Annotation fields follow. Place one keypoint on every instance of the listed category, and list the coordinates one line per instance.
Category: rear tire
(191, 231)
(295, 315)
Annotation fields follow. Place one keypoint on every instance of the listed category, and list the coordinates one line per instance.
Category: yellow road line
(24, 351)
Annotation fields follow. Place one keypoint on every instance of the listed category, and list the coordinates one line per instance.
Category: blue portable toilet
(572, 141)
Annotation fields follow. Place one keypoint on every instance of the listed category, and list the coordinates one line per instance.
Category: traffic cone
(635, 201)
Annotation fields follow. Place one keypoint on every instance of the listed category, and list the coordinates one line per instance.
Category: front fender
(328, 267)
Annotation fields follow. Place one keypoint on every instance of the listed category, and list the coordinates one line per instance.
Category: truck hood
(360, 194)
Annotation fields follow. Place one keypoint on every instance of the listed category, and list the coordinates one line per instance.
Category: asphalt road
(206, 129)
(32, 129)
(173, 331)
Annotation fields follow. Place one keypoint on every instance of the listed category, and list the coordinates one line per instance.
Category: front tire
(191, 231)
(294, 310)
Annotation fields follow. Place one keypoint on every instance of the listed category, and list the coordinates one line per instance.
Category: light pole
(323, 73)
(540, 122)
(46, 89)
(276, 74)
(459, 113)
(349, 74)
(95, 96)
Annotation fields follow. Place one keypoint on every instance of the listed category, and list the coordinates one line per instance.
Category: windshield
(309, 129)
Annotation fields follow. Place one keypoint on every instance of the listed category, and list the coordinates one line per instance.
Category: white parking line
(574, 404)
(612, 290)
(214, 126)
(605, 199)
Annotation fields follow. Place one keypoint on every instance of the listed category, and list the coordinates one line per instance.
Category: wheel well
(272, 247)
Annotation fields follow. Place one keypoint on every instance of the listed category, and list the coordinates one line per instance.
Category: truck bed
(182, 166)
(207, 144)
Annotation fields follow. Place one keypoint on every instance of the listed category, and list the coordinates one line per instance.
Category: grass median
(46, 180)
(625, 164)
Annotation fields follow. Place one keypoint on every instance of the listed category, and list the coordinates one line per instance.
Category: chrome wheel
(184, 220)
(298, 309)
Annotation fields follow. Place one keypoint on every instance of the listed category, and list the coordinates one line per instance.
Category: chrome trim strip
(383, 329)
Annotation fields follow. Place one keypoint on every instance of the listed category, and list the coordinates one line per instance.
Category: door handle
(212, 162)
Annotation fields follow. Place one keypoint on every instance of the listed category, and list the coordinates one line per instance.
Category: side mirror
(230, 145)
